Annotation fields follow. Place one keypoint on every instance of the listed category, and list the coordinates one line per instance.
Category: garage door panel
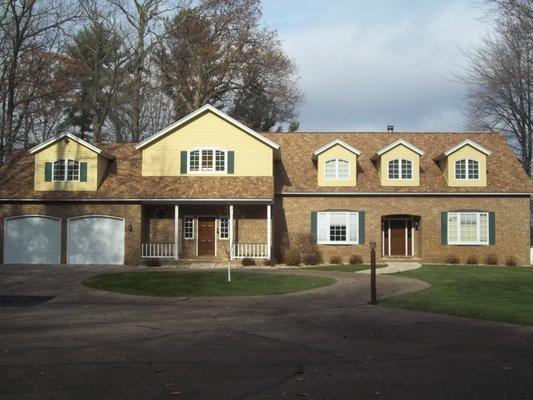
(32, 240)
(95, 240)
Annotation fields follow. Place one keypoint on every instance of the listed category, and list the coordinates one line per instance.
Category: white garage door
(95, 239)
(32, 239)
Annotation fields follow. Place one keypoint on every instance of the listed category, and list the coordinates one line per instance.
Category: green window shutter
(361, 227)
(83, 172)
(183, 162)
(231, 162)
(48, 172)
(492, 228)
(314, 223)
(444, 228)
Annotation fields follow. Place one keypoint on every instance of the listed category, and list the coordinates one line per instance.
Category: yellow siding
(473, 154)
(337, 151)
(71, 150)
(252, 157)
(400, 152)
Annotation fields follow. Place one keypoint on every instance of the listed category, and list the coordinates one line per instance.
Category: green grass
(342, 267)
(208, 283)
(493, 293)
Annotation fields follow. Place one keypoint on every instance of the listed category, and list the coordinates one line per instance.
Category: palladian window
(337, 169)
(207, 160)
(66, 171)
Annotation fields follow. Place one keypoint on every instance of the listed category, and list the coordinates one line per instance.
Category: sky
(366, 64)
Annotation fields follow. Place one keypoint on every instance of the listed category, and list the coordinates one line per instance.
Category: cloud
(365, 73)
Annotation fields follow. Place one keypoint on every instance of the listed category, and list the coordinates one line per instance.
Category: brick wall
(130, 212)
(293, 214)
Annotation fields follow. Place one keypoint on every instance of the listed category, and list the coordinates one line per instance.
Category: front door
(397, 233)
(206, 236)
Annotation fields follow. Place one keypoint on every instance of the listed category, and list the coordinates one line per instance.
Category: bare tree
(217, 52)
(30, 30)
(500, 77)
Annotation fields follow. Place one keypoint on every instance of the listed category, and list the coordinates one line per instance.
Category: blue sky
(366, 64)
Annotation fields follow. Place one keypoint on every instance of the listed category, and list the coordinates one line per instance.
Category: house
(209, 188)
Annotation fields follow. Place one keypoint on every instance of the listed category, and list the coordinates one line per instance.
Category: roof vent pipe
(390, 128)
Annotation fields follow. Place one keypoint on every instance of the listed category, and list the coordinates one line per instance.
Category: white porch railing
(250, 250)
(157, 250)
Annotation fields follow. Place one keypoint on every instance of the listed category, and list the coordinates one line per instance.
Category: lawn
(493, 293)
(342, 267)
(208, 283)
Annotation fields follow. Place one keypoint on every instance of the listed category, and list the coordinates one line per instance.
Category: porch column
(269, 231)
(231, 232)
(176, 231)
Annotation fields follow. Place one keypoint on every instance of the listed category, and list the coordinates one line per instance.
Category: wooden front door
(397, 233)
(206, 236)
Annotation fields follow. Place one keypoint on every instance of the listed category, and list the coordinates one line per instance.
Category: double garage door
(91, 239)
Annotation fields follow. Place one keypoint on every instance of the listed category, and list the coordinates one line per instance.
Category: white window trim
(220, 218)
(65, 180)
(478, 228)
(186, 217)
(400, 162)
(337, 169)
(467, 169)
(200, 172)
(339, 243)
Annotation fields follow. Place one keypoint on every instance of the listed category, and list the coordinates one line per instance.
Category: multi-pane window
(466, 169)
(337, 168)
(188, 228)
(66, 170)
(400, 169)
(207, 160)
(337, 227)
(223, 228)
(468, 228)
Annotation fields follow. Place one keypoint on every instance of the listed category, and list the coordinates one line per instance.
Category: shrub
(452, 259)
(312, 259)
(491, 259)
(152, 262)
(306, 245)
(472, 260)
(356, 259)
(292, 257)
(269, 262)
(336, 259)
(511, 261)
(248, 262)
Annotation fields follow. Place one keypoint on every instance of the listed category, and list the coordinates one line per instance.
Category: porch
(199, 231)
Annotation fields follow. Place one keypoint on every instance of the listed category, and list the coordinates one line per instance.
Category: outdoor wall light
(130, 228)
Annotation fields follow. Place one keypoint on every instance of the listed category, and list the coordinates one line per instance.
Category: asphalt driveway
(320, 344)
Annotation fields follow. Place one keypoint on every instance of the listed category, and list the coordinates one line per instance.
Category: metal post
(373, 272)
(176, 231)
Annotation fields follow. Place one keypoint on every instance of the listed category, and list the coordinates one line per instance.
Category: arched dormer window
(207, 160)
(466, 169)
(337, 169)
(400, 169)
(66, 170)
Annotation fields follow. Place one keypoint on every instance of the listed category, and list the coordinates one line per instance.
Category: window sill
(339, 243)
(468, 244)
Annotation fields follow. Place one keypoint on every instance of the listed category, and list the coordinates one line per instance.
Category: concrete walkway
(393, 268)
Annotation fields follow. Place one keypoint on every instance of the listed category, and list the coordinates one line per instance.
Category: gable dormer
(465, 164)
(207, 142)
(399, 164)
(336, 164)
(67, 162)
